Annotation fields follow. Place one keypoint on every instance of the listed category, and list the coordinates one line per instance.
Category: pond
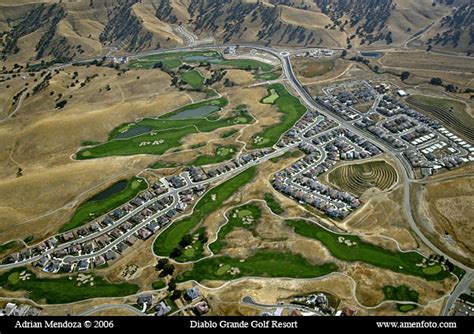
(134, 131)
(200, 58)
(199, 112)
(112, 190)
(371, 54)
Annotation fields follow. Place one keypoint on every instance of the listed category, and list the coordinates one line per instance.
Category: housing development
(177, 169)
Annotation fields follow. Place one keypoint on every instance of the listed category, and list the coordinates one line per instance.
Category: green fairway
(248, 64)
(174, 59)
(273, 204)
(262, 264)
(62, 290)
(193, 78)
(268, 76)
(222, 153)
(170, 238)
(291, 109)
(271, 98)
(7, 245)
(433, 270)
(158, 135)
(245, 216)
(406, 307)
(157, 285)
(172, 63)
(405, 263)
(92, 208)
(401, 293)
(229, 133)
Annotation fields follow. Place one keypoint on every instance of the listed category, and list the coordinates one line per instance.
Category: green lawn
(161, 134)
(292, 110)
(229, 133)
(401, 293)
(262, 264)
(172, 60)
(246, 64)
(172, 63)
(237, 218)
(406, 307)
(157, 285)
(268, 76)
(270, 99)
(273, 204)
(362, 251)
(90, 210)
(7, 245)
(193, 78)
(169, 239)
(221, 154)
(62, 290)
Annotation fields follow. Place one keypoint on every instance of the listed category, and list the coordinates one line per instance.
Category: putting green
(433, 270)
(14, 278)
(244, 213)
(222, 270)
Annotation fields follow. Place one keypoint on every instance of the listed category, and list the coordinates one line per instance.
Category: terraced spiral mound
(357, 178)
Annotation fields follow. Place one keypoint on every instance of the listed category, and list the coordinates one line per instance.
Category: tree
(161, 263)
(171, 285)
(168, 269)
(436, 81)
(176, 252)
(158, 65)
(186, 240)
(405, 75)
(176, 294)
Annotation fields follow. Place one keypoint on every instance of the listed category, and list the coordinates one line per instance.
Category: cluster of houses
(108, 237)
(341, 109)
(192, 298)
(300, 180)
(425, 144)
(21, 310)
(237, 162)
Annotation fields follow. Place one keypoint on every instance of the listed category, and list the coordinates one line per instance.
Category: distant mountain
(44, 30)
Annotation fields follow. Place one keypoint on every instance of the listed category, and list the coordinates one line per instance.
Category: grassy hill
(36, 30)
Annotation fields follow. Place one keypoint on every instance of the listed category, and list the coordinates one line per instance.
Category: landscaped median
(261, 264)
(169, 240)
(98, 205)
(62, 290)
(291, 109)
(352, 248)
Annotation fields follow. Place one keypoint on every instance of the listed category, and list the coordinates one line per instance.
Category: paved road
(405, 169)
(462, 287)
(107, 307)
(249, 301)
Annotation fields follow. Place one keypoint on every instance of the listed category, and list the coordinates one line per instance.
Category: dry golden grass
(424, 60)
(448, 207)
(370, 282)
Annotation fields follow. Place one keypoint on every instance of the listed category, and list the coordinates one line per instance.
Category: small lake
(112, 190)
(199, 112)
(371, 54)
(134, 131)
(200, 58)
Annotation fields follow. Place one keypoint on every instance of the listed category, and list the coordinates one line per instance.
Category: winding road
(404, 168)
